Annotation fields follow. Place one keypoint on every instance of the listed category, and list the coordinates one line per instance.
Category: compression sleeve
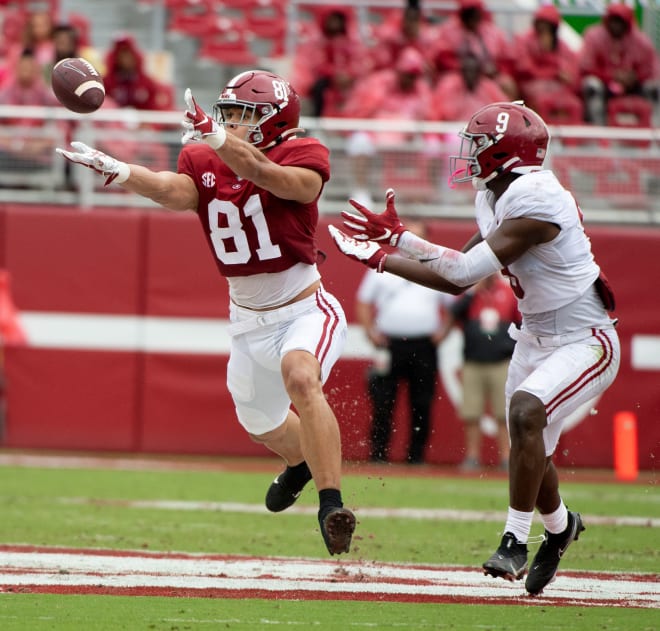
(460, 268)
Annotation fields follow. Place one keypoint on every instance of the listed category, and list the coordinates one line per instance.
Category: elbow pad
(464, 268)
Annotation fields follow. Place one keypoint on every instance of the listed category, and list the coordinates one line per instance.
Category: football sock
(519, 523)
(298, 474)
(329, 499)
(557, 521)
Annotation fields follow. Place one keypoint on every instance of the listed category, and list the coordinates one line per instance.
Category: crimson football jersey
(249, 229)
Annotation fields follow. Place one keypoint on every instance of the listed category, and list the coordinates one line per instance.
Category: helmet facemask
(252, 117)
(465, 166)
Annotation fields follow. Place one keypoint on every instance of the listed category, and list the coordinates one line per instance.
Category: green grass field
(98, 508)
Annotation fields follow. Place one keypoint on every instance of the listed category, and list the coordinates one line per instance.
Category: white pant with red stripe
(316, 324)
(563, 372)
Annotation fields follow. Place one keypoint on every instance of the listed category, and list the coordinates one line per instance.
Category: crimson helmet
(271, 107)
(499, 138)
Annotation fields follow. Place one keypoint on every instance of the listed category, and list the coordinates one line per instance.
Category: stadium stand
(201, 43)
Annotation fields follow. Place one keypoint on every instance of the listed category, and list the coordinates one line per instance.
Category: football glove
(366, 252)
(371, 226)
(111, 168)
(198, 126)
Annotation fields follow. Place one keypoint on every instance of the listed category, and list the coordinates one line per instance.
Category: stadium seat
(267, 20)
(190, 17)
(228, 43)
(630, 111)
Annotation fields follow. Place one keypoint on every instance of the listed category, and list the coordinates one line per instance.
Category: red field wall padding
(156, 263)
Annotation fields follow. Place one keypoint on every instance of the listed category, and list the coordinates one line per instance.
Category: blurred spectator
(400, 92)
(328, 62)
(458, 93)
(26, 87)
(617, 61)
(127, 82)
(403, 321)
(67, 43)
(408, 28)
(26, 31)
(471, 30)
(38, 37)
(547, 70)
(484, 312)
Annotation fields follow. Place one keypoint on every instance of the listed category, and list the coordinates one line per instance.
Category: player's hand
(372, 226)
(111, 168)
(366, 252)
(199, 126)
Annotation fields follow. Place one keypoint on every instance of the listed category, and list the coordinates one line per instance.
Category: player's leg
(590, 367)
(319, 431)
(263, 409)
(526, 421)
(527, 462)
(288, 485)
(310, 346)
(321, 444)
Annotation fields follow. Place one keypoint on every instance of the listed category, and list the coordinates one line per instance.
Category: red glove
(199, 126)
(371, 226)
(370, 254)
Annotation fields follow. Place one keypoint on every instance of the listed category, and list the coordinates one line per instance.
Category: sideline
(272, 464)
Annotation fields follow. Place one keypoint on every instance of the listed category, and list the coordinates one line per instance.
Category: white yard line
(371, 512)
(71, 569)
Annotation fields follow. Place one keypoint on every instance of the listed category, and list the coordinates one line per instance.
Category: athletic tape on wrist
(216, 139)
(123, 172)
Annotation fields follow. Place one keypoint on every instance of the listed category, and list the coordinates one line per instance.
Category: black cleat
(509, 560)
(545, 563)
(337, 527)
(287, 487)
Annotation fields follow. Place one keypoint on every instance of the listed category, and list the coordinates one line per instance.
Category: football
(78, 85)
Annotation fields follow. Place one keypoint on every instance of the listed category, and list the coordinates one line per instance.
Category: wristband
(123, 172)
(216, 139)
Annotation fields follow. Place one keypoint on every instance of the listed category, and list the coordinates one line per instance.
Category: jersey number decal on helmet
(502, 122)
(279, 90)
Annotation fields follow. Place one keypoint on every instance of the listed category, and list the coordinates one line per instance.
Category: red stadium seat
(630, 111)
(228, 43)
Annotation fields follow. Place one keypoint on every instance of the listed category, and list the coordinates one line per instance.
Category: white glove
(367, 252)
(111, 168)
(199, 126)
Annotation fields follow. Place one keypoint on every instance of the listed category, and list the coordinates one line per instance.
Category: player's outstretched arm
(372, 255)
(172, 190)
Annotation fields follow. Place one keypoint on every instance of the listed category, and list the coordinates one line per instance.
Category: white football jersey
(550, 275)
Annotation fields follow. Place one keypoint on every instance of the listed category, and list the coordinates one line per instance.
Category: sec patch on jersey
(78, 85)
